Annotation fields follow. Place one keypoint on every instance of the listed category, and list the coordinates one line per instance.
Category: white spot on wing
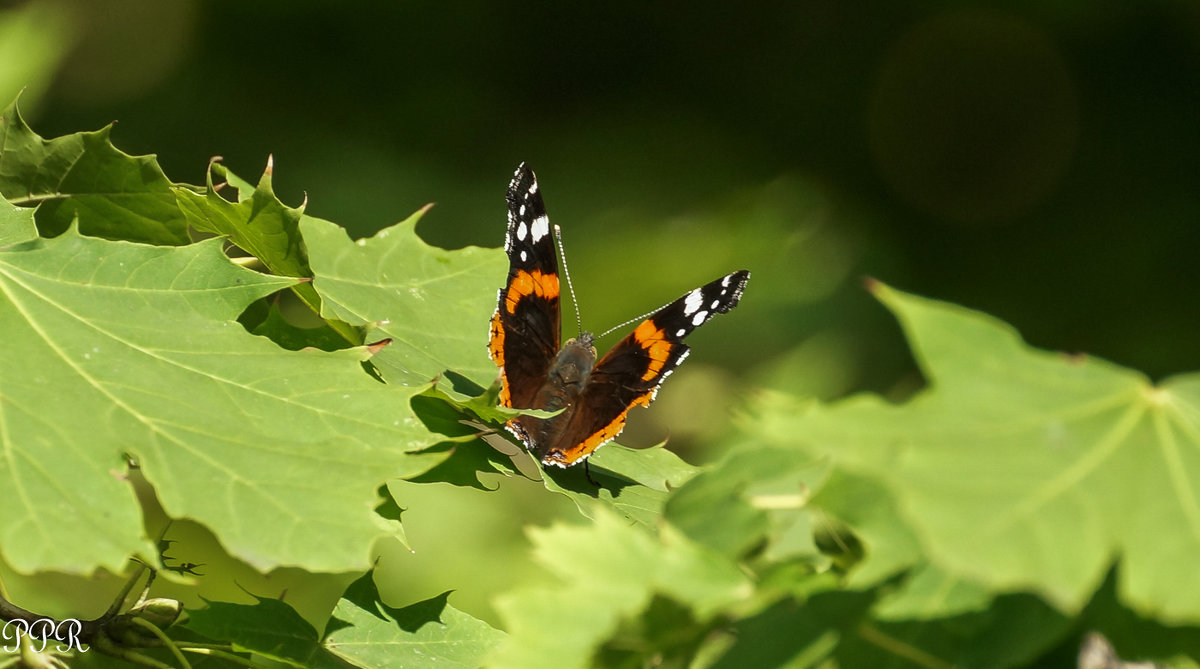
(725, 282)
(680, 332)
(521, 211)
(541, 228)
(699, 318)
(714, 304)
(692, 302)
(683, 356)
(533, 188)
(524, 256)
(522, 229)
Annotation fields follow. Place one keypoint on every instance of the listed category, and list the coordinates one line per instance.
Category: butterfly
(537, 371)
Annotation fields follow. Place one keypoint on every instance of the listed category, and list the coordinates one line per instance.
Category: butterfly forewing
(525, 328)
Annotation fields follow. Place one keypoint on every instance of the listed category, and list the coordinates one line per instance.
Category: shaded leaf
(629, 498)
(1010, 631)
(463, 464)
(1137, 637)
(280, 330)
(868, 507)
(269, 628)
(244, 188)
(595, 576)
(84, 176)
(369, 633)
(794, 634)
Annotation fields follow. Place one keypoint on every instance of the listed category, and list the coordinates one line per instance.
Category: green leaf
(654, 467)
(617, 491)
(651, 471)
(16, 224)
(282, 331)
(245, 189)
(794, 634)
(597, 576)
(867, 505)
(1022, 469)
(1011, 631)
(369, 633)
(115, 348)
(93, 658)
(462, 464)
(389, 513)
(433, 304)
(759, 492)
(84, 176)
(451, 409)
(1135, 636)
(262, 226)
(259, 224)
(269, 628)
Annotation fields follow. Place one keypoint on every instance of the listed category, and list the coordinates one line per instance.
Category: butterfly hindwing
(631, 372)
(525, 328)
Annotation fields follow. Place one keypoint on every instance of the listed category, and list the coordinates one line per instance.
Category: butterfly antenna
(631, 320)
(567, 273)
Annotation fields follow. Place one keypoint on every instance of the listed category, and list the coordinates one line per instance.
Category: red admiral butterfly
(537, 373)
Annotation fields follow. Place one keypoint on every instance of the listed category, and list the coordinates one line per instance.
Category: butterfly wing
(631, 372)
(525, 328)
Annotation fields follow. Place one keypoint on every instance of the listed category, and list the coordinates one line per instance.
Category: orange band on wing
(530, 283)
(657, 347)
(496, 349)
(587, 446)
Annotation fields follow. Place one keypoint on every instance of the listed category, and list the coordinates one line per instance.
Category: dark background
(1037, 161)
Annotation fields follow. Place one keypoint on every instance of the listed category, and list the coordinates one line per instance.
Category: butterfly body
(537, 373)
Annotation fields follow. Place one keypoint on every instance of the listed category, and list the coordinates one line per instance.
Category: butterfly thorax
(564, 381)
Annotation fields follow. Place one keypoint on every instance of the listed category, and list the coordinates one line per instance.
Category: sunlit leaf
(1022, 469)
(16, 224)
(433, 304)
(113, 348)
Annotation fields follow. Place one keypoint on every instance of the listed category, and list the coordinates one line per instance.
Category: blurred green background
(1035, 160)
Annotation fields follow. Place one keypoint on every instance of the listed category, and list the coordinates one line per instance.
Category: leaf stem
(38, 199)
(162, 636)
(901, 649)
(215, 650)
